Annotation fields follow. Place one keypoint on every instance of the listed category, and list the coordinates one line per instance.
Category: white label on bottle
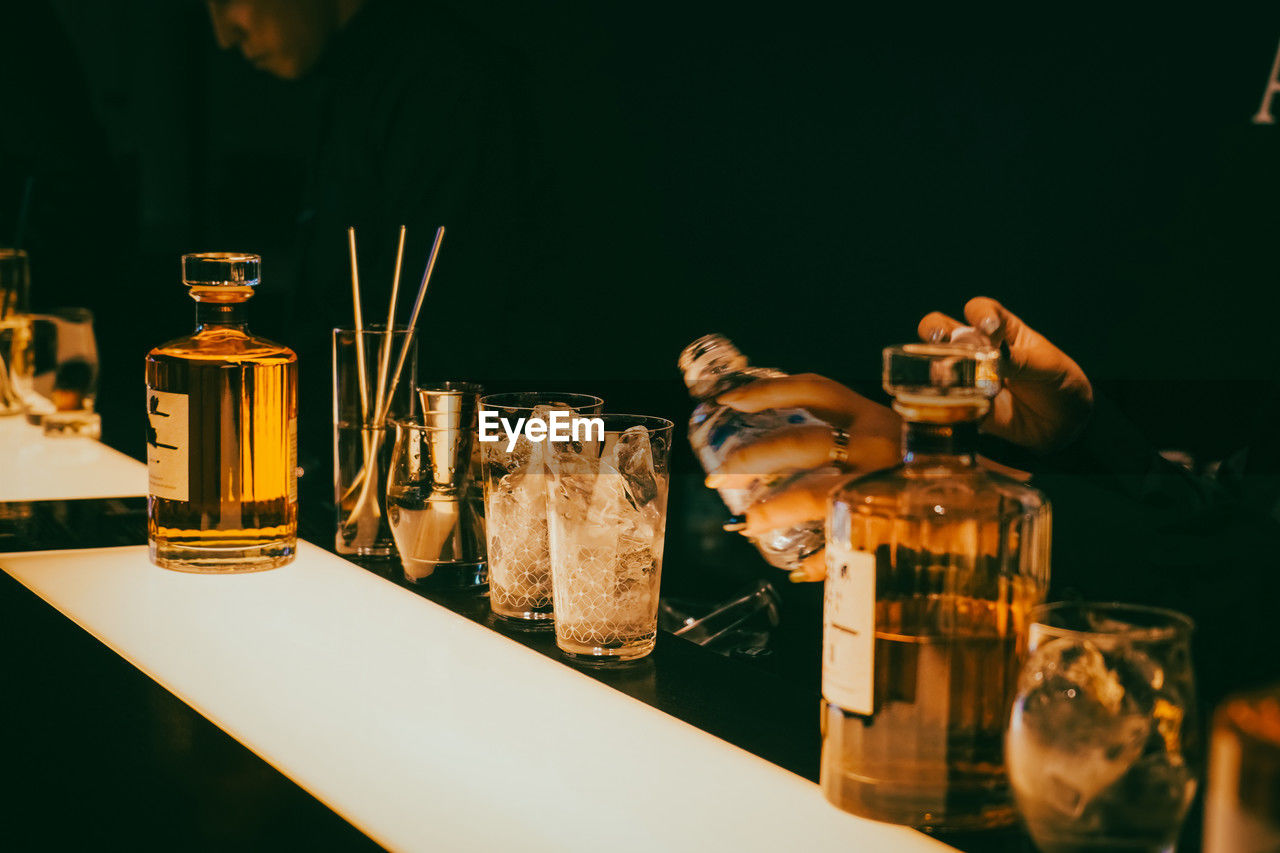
(849, 630)
(168, 448)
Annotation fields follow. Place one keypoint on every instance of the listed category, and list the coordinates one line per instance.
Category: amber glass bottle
(222, 432)
(932, 567)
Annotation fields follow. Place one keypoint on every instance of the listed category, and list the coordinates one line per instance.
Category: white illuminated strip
(427, 731)
(419, 727)
(35, 468)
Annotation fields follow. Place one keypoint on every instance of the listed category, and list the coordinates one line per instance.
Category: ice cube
(1075, 729)
(1084, 667)
(633, 458)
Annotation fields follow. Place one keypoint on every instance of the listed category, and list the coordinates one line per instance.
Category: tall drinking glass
(15, 363)
(1103, 743)
(15, 330)
(515, 505)
(363, 367)
(607, 522)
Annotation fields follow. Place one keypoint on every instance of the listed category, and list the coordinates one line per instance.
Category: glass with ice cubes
(1103, 745)
(606, 522)
(515, 503)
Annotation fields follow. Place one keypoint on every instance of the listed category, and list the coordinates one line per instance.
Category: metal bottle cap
(707, 358)
(221, 269)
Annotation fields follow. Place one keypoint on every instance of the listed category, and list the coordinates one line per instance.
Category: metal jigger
(445, 544)
(450, 408)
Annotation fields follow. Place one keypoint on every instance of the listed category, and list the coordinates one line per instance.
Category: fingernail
(989, 324)
(735, 523)
(798, 576)
(936, 334)
(713, 481)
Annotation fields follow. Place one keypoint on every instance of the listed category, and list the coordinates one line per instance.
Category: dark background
(809, 179)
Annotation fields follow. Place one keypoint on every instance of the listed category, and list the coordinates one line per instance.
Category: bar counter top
(412, 720)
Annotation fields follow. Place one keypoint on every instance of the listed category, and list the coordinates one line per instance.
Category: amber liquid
(931, 755)
(241, 512)
(961, 557)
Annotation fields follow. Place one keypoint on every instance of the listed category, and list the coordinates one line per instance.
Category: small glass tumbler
(15, 363)
(64, 381)
(363, 370)
(515, 504)
(1242, 803)
(1103, 741)
(435, 507)
(607, 518)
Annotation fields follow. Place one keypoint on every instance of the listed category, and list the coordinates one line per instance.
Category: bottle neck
(709, 365)
(221, 315)
(924, 442)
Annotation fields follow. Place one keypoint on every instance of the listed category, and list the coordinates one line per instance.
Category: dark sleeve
(1131, 526)
(1116, 456)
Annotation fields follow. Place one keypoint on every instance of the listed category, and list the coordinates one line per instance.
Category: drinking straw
(371, 444)
(384, 356)
(413, 321)
(355, 298)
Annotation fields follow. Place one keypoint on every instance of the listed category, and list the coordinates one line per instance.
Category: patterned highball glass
(515, 505)
(607, 518)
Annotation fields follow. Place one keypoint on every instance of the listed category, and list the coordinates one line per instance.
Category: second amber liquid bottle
(932, 568)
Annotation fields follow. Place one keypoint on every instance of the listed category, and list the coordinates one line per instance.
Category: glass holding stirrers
(1103, 742)
(362, 442)
(515, 505)
(607, 516)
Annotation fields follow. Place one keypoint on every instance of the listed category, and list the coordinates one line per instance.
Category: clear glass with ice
(1103, 743)
(515, 505)
(607, 515)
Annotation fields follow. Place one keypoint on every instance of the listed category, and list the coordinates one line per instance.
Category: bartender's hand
(874, 433)
(1046, 399)
(1045, 402)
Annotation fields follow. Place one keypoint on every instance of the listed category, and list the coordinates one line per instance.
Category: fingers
(1029, 351)
(799, 448)
(825, 398)
(812, 568)
(936, 326)
(793, 448)
(803, 501)
(992, 319)
(1047, 397)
